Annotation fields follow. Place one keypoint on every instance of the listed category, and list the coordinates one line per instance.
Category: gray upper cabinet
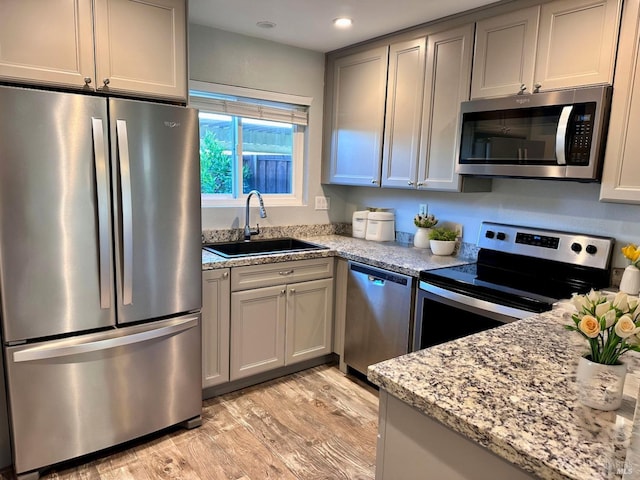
(560, 44)
(413, 145)
(131, 48)
(356, 121)
(504, 57)
(405, 84)
(448, 75)
(621, 174)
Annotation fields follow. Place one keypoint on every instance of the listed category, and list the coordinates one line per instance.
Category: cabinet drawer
(257, 276)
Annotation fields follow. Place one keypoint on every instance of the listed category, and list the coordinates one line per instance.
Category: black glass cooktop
(521, 282)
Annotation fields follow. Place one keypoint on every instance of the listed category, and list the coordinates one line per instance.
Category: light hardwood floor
(315, 424)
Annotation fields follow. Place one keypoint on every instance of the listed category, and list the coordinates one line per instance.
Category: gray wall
(231, 59)
(228, 58)
(558, 205)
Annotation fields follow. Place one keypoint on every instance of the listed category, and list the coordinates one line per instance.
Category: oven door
(442, 315)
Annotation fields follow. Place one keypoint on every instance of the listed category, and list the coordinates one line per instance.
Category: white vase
(600, 386)
(630, 282)
(443, 247)
(421, 238)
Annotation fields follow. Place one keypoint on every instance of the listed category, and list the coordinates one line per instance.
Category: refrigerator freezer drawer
(82, 394)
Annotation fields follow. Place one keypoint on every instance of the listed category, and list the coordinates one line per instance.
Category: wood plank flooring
(315, 424)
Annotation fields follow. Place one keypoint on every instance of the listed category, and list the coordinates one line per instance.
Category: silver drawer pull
(285, 272)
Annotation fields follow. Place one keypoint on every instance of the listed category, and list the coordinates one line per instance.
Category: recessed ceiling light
(265, 24)
(342, 22)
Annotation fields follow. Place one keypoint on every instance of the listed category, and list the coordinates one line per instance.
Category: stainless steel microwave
(555, 135)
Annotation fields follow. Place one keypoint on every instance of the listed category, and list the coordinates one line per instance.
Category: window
(249, 143)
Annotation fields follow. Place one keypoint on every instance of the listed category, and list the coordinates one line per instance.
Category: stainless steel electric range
(520, 271)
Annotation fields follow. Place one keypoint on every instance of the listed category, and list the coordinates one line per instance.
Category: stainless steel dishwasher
(379, 312)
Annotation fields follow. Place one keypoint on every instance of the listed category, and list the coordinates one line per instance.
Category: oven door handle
(510, 314)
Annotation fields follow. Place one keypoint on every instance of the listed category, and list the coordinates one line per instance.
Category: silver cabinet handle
(420, 184)
(537, 87)
(87, 80)
(102, 192)
(127, 212)
(410, 183)
(374, 181)
(225, 275)
(285, 272)
(292, 290)
(42, 353)
(283, 291)
(561, 133)
(106, 81)
(522, 89)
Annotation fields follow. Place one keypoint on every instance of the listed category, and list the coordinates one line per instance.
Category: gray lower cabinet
(283, 322)
(414, 445)
(216, 289)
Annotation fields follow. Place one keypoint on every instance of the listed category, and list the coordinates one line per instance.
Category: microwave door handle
(561, 134)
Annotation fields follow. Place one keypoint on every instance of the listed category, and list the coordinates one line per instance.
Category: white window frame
(300, 142)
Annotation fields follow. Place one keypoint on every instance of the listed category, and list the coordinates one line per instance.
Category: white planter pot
(443, 247)
(421, 238)
(600, 386)
(630, 282)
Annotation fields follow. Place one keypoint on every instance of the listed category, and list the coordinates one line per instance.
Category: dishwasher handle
(379, 276)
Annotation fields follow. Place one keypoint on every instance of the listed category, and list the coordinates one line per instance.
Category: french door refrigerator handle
(100, 164)
(561, 134)
(40, 353)
(127, 212)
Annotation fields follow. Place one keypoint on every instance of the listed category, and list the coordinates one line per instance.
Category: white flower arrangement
(610, 323)
(425, 220)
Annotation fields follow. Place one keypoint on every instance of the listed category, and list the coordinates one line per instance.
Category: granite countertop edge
(393, 256)
(513, 392)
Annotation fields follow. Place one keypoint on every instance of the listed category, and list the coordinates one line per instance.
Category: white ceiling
(308, 23)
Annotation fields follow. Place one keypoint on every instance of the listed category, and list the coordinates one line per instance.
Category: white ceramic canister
(359, 223)
(381, 227)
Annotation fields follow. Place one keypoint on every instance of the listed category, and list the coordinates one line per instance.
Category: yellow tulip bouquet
(610, 323)
(632, 252)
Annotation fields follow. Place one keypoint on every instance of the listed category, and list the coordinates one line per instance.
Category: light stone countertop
(393, 256)
(512, 389)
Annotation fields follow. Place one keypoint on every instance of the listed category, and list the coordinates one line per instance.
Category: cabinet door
(309, 320)
(447, 84)
(505, 53)
(141, 47)
(577, 43)
(257, 330)
(46, 42)
(215, 326)
(405, 85)
(621, 175)
(357, 117)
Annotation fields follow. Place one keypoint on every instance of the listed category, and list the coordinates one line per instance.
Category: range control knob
(591, 249)
(501, 236)
(576, 247)
(490, 234)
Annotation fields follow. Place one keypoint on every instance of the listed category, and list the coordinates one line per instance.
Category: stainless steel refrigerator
(100, 271)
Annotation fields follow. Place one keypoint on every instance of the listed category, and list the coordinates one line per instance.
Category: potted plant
(423, 222)
(443, 241)
(611, 325)
(630, 282)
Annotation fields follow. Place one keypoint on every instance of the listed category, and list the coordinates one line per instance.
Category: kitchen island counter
(393, 256)
(512, 390)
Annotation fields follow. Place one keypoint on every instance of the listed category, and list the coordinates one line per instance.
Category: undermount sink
(260, 247)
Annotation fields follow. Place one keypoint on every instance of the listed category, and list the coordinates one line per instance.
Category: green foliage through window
(215, 165)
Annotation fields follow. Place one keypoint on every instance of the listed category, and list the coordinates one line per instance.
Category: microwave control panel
(580, 134)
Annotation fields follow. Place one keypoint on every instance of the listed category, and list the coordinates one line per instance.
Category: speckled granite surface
(392, 256)
(512, 389)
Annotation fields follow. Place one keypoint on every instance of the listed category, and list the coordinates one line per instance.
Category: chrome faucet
(263, 214)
